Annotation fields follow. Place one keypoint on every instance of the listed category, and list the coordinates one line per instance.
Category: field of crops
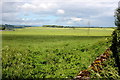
(39, 52)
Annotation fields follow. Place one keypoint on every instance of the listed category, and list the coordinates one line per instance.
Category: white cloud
(60, 0)
(70, 23)
(27, 6)
(76, 19)
(69, 11)
(60, 11)
(46, 5)
(36, 7)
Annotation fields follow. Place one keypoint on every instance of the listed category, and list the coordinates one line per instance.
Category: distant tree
(117, 16)
(56, 26)
(3, 27)
(8, 27)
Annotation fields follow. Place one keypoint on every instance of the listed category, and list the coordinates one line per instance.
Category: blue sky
(59, 12)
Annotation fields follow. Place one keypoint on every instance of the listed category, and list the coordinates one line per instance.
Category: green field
(39, 52)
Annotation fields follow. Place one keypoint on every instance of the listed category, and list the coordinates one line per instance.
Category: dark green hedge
(115, 47)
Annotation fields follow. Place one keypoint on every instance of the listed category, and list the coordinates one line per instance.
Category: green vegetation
(12, 27)
(117, 18)
(51, 52)
(116, 39)
(109, 71)
(6, 27)
(56, 26)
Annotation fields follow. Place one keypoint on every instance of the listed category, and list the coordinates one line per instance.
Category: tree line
(6, 27)
(54, 26)
(12, 27)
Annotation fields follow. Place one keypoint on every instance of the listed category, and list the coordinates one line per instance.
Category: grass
(62, 31)
(51, 52)
(109, 71)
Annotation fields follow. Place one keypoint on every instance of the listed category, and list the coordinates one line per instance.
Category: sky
(98, 13)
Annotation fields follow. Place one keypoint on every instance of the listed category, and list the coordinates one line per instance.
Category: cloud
(70, 23)
(60, 1)
(38, 6)
(14, 19)
(72, 12)
(10, 7)
(60, 11)
(76, 19)
(28, 6)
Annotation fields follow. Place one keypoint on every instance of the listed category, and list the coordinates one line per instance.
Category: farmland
(39, 52)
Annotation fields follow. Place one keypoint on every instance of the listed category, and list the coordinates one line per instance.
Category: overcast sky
(59, 12)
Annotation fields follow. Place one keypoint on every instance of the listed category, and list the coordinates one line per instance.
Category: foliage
(6, 27)
(56, 26)
(117, 17)
(109, 71)
(116, 47)
(50, 53)
(112, 68)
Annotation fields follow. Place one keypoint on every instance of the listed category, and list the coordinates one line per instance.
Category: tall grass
(109, 71)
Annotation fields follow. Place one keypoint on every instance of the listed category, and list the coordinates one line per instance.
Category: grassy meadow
(38, 52)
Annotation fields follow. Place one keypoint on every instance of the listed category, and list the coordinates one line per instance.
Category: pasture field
(39, 52)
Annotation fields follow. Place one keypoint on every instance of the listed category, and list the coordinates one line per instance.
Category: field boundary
(95, 66)
(116, 47)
